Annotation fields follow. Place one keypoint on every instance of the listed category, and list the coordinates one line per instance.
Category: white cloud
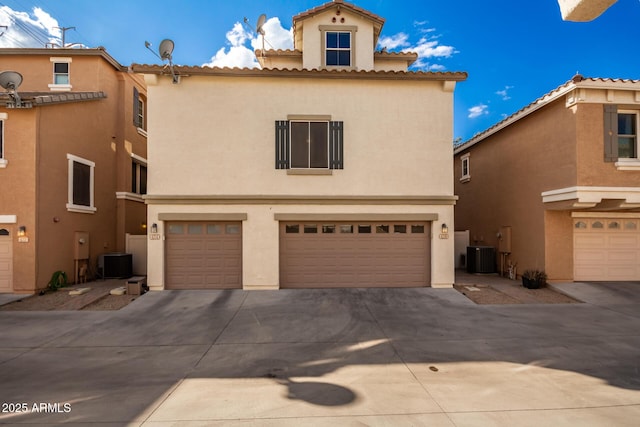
(25, 29)
(276, 36)
(238, 54)
(428, 48)
(478, 110)
(504, 93)
(393, 42)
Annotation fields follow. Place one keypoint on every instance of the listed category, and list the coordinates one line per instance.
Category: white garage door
(606, 249)
(354, 254)
(6, 262)
(203, 255)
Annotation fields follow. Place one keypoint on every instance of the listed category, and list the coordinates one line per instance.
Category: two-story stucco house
(328, 167)
(72, 164)
(556, 186)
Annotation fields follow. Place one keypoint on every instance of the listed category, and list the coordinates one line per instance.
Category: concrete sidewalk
(326, 357)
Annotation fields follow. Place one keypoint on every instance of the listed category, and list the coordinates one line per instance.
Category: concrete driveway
(375, 357)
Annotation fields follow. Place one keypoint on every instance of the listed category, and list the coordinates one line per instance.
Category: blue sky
(514, 51)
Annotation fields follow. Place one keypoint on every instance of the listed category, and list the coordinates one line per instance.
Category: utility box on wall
(81, 245)
(504, 240)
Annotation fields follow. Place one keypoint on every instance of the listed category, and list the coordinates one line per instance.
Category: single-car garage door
(606, 249)
(354, 254)
(203, 255)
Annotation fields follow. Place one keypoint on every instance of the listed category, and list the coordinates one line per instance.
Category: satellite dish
(261, 20)
(166, 49)
(10, 80)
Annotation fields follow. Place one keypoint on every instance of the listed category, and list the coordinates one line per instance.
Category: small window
(630, 225)
(400, 228)
(597, 224)
(139, 110)
(4, 232)
(60, 73)
(614, 225)
(465, 174)
(627, 135)
(417, 229)
(346, 229)
(214, 229)
(176, 229)
(138, 177)
(310, 228)
(232, 229)
(364, 229)
(194, 229)
(382, 228)
(292, 229)
(328, 229)
(81, 184)
(581, 225)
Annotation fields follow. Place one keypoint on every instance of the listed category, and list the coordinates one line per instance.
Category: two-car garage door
(354, 254)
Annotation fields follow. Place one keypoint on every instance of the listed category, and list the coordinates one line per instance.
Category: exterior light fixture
(22, 231)
(143, 225)
(154, 228)
(445, 229)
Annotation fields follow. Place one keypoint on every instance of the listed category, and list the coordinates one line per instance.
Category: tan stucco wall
(215, 135)
(509, 171)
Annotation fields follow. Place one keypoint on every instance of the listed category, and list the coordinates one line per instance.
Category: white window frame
(60, 87)
(3, 148)
(71, 207)
(631, 163)
(324, 29)
(141, 116)
(465, 163)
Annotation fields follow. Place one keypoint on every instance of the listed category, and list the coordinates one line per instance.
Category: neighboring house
(72, 164)
(560, 179)
(328, 167)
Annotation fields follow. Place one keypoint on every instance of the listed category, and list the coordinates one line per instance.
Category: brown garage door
(203, 255)
(354, 254)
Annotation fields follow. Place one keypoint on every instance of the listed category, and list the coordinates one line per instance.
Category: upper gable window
(338, 48)
(338, 45)
(61, 74)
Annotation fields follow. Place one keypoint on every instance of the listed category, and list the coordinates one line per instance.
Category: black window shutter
(282, 144)
(610, 133)
(336, 146)
(136, 115)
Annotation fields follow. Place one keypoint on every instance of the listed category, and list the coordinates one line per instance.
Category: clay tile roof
(341, 3)
(315, 73)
